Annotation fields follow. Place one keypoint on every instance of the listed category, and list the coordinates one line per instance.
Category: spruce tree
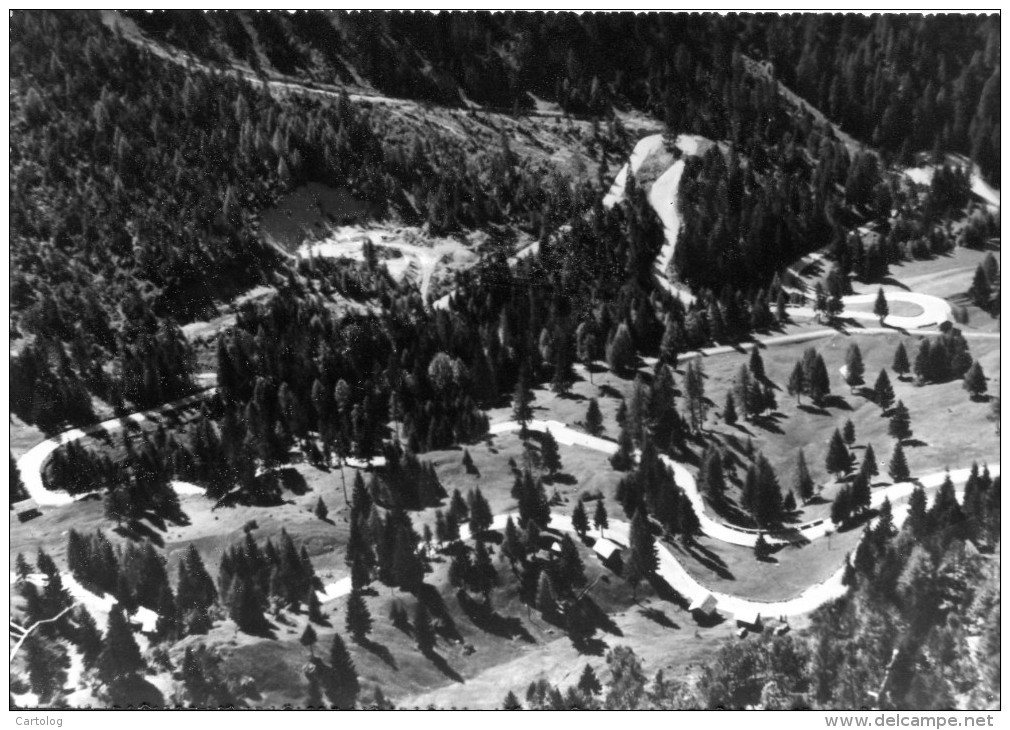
(600, 521)
(120, 656)
(511, 702)
(512, 547)
(880, 308)
(883, 392)
(838, 459)
(849, 432)
(818, 384)
(468, 462)
(342, 687)
(854, 367)
(803, 484)
(916, 520)
(314, 694)
(87, 637)
(483, 576)
(17, 486)
(975, 381)
(729, 414)
(549, 453)
(899, 425)
(898, 467)
(358, 620)
(900, 363)
(589, 684)
(570, 565)
(594, 418)
(642, 558)
(313, 607)
(46, 662)
(761, 547)
(321, 511)
(424, 633)
(623, 459)
(308, 639)
(869, 465)
(580, 521)
(757, 365)
(481, 518)
(546, 602)
(797, 382)
(841, 508)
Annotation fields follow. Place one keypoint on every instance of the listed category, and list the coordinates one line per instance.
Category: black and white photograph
(525, 360)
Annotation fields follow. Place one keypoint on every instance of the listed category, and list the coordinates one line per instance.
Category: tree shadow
(767, 423)
(891, 281)
(710, 560)
(813, 409)
(740, 427)
(485, 618)
(836, 401)
(135, 530)
(442, 665)
(380, 651)
(435, 604)
(666, 592)
(660, 617)
(914, 443)
(588, 645)
(561, 478)
(609, 391)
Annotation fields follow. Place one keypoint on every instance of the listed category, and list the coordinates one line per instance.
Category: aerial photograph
(504, 361)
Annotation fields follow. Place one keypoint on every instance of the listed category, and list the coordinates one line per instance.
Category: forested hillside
(902, 83)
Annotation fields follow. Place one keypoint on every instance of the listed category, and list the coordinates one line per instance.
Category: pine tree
(880, 308)
(600, 521)
(900, 363)
(899, 426)
(838, 460)
(358, 620)
(883, 392)
(974, 381)
(854, 367)
(594, 418)
(580, 521)
(803, 484)
(321, 512)
(120, 656)
(549, 453)
(343, 686)
(849, 432)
